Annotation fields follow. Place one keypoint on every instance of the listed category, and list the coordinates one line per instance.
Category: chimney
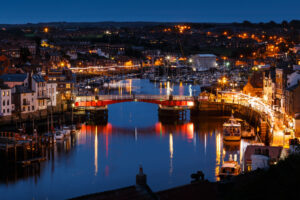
(141, 178)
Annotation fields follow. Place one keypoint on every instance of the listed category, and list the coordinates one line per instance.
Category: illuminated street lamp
(62, 64)
(46, 30)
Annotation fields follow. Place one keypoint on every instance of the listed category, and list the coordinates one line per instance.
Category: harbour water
(106, 157)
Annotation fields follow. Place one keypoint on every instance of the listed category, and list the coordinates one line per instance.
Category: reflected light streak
(96, 151)
(171, 145)
(218, 154)
(135, 134)
(205, 143)
(190, 131)
(171, 153)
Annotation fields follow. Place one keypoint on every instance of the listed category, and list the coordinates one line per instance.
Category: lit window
(3, 93)
(8, 93)
(68, 86)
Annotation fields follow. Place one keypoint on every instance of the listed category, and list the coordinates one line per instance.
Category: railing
(134, 97)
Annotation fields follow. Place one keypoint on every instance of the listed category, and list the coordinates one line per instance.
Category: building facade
(203, 62)
(5, 101)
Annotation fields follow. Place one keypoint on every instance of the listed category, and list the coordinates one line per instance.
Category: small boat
(229, 169)
(232, 130)
(66, 130)
(59, 135)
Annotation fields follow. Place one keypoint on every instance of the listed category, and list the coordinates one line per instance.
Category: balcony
(43, 97)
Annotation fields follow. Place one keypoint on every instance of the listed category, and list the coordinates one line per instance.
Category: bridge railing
(134, 97)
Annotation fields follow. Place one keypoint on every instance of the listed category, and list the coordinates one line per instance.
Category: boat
(229, 169)
(59, 135)
(232, 130)
(66, 130)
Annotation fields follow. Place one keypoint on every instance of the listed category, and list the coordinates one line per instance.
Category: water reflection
(198, 146)
(96, 151)
(171, 153)
(105, 157)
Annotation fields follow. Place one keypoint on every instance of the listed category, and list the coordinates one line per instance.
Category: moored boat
(232, 130)
(59, 135)
(229, 169)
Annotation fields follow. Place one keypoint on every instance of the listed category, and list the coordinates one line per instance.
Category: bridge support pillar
(169, 115)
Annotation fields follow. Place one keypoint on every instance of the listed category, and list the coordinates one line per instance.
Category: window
(3, 94)
(8, 102)
(68, 85)
(7, 110)
(32, 107)
(23, 108)
(3, 110)
(28, 108)
(8, 93)
(4, 102)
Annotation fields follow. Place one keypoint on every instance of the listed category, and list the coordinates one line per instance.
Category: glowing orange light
(46, 29)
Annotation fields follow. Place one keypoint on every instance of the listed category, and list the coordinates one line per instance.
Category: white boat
(66, 130)
(59, 135)
(232, 130)
(229, 168)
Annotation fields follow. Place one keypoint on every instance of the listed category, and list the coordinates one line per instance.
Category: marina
(197, 142)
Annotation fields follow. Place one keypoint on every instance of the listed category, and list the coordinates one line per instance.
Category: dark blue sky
(24, 11)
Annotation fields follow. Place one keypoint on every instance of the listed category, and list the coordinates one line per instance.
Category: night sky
(24, 11)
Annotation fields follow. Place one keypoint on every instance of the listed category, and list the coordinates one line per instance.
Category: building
(39, 86)
(24, 99)
(268, 86)
(254, 86)
(51, 93)
(292, 97)
(273, 153)
(5, 100)
(11, 80)
(65, 81)
(203, 62)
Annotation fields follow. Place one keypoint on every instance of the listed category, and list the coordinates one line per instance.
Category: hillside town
(41, 64)
(72, 86)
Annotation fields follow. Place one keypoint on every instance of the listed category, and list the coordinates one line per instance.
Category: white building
(204, 62)
(51, 93)
(39, 86)
(5, 101)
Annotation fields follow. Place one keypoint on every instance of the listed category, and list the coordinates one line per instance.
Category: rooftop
(38, 78)
(13, 77)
